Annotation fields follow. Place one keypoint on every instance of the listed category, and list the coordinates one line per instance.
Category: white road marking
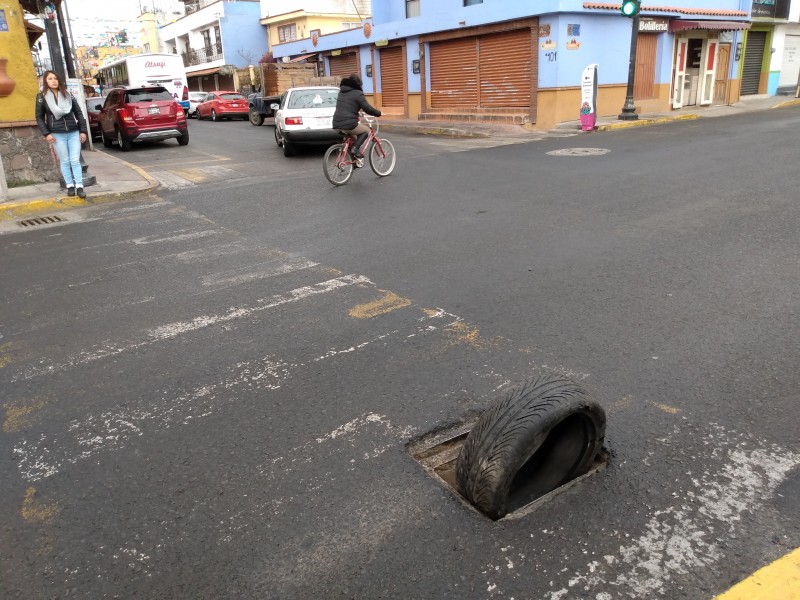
(685, 537)
(226, 280)
(170, 180)
(152, 239)
(172, 330)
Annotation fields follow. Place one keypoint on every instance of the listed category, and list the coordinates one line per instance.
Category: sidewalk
(117, 178)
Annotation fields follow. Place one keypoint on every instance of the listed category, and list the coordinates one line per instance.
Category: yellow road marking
(20, 415)
(5, 354)
(381, 306)
(185, 162)
(461, 333)
(777, 581)
(37, 511)
(667, 408)
(195, 175)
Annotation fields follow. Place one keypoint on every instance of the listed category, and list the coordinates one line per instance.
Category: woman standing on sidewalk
(61, 121)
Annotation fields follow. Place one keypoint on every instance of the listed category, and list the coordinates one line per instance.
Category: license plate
(235, 105)
(325, 121)
(153, 110)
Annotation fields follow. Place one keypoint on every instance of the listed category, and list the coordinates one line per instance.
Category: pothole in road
(532, 443)
(579, 152)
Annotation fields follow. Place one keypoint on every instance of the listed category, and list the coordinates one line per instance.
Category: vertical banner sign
(589, 98)
(75, 87)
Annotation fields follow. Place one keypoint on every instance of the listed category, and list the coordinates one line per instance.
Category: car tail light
(179, 112)
(185, 93)
(124, 115)
(294, 120)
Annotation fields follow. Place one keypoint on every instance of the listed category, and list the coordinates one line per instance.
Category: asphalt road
(210, 393)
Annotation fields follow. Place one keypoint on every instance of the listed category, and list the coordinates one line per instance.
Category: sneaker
(359, 163)
(81, 193)
(71, 190)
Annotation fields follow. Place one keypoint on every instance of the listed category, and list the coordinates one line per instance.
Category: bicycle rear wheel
(336, 166)
(382, 157)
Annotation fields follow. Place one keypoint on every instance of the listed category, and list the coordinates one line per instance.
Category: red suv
(142, 113)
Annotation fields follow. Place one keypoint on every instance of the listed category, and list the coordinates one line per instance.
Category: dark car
(93, 108)
(142, 113)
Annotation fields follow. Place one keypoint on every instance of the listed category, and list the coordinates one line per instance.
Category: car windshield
(313, 99)
(196, 95)
(147, 95)
(231, 97)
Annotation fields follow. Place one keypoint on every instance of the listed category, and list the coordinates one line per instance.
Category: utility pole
(51, 31)
(631, 8)
(65, 42)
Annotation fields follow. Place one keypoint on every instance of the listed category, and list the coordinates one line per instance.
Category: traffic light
(630, 8)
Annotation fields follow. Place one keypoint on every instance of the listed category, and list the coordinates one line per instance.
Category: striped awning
(681, 25)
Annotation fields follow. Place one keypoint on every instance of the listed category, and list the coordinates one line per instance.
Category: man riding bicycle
(351, 99)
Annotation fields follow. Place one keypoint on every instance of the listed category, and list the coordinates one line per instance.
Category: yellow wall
(19, 105)
(104, 54)
(306, 24)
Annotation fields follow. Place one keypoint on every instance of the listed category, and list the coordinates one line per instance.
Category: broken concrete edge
(440, 131)
(645, 122)
(26, 208)
(794, 102)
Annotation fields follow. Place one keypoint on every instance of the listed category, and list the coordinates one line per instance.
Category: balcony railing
(205, 55)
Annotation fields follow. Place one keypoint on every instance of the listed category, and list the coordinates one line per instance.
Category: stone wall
(26, 154)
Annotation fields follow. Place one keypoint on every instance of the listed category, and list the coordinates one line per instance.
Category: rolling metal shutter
(454, 73)
(344, 64)
(505, 69)
(753, 59)
(392, 92)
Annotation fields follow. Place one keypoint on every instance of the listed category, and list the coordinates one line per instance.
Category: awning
(681, 25)
(203, 72)
(303, 57)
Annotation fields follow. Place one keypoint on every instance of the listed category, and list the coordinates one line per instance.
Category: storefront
(701, 65)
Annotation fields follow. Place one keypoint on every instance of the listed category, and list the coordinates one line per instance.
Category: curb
(26, 208)
(795, 102)
(645, 122)
(440, 131)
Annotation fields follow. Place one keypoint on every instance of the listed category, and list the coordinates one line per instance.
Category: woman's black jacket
(49, 124)
(351, 100)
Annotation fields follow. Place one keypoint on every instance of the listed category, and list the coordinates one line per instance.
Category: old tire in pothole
(531, 440)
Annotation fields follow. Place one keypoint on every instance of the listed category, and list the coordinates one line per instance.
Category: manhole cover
(580, 152)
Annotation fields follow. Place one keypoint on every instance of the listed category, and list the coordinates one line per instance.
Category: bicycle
(338, 165)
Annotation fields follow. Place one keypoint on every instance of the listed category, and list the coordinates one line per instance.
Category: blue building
(214, 37)
(522, 60)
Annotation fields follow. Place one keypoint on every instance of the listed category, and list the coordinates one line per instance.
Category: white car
(195, 98)
(304, 116)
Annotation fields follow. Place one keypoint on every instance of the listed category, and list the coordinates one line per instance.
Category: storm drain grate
(40, 221)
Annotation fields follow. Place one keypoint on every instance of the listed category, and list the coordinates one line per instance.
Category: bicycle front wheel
(336, 166)
(382, 157)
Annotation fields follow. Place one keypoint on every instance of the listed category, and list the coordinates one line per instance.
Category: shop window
(287, 33)
(472, 2)
(412, 8)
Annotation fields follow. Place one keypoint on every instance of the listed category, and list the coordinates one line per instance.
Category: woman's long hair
(62, 87)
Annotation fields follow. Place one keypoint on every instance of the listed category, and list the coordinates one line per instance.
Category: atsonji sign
(150, 64)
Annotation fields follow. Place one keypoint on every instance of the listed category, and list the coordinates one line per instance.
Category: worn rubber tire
(214, 115)
(255, 118)
(107, 143)
(288, 148)
(278, 137)
(184, 139)
(531, 440)
(124, 143)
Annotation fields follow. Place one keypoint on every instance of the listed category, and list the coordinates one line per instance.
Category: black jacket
(351, 100)
(49, 124)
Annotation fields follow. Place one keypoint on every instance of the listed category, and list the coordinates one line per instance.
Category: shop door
(392, 87)
(454, 73)
(722, 81)
(707, 66)
(644, 82)
(344, 64)
(679, 79)
(753, 59)
(790, 65)
(504, 69)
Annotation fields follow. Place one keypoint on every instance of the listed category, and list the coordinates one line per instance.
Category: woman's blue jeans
(68, 150)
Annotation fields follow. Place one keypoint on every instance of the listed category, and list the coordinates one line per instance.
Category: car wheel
(124, 143)
(214, 115)
(255, 118)
(288, 149)
(278, 136)
(184, 139)
(106, 142)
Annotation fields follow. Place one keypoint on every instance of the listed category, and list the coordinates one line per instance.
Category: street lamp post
(629, 110)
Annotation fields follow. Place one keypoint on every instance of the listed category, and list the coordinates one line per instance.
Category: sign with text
(775, 9)
(653, 25)
(589, 98)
